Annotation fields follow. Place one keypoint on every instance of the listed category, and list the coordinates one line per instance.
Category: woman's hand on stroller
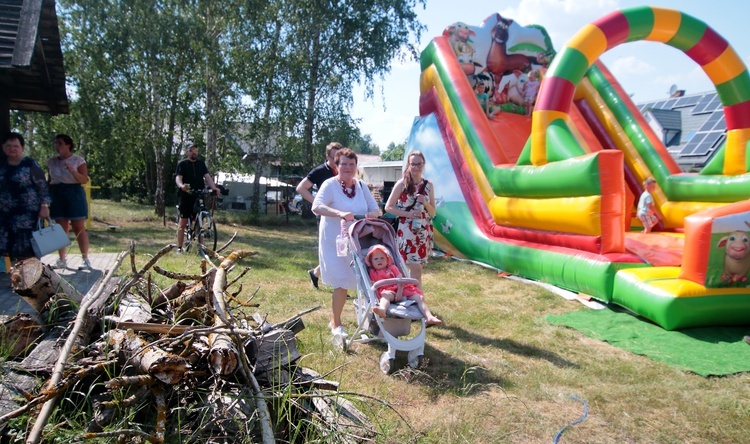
(374, 214)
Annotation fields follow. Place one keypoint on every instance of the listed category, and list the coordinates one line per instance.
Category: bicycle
(201, 225)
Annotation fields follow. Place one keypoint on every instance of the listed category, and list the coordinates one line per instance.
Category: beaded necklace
(347, 192)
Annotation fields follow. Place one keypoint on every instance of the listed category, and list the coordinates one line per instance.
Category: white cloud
(631, 65)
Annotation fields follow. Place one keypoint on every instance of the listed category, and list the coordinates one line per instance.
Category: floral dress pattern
(23, 189)
(415, 245)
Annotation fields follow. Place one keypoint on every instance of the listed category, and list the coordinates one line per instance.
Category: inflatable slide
(552, 197)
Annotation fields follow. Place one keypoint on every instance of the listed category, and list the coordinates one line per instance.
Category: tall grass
(496, 372)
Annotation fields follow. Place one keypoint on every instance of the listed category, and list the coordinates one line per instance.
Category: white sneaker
(339, 331)
(179, 251)
(60, 263)
(86, 265)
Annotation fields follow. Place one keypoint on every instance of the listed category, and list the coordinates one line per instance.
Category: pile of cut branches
(136, 362)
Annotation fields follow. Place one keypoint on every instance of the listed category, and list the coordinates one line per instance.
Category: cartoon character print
(459, 36)
(736, 258)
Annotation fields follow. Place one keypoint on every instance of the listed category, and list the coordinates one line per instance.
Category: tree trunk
(311, 97)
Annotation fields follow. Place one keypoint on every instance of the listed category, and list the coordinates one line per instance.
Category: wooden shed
(32, 75)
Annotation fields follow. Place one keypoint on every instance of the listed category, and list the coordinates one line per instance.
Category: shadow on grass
(466, 374)
(508, 345)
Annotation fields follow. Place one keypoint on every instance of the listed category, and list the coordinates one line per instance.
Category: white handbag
(45, 240)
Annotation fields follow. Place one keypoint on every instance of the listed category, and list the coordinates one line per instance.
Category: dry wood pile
(133, 362)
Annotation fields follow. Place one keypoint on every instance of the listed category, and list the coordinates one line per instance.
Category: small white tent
(241, 190)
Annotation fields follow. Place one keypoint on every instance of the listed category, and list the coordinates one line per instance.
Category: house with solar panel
(692, 127)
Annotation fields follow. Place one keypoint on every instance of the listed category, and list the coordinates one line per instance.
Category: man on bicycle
(191, 174)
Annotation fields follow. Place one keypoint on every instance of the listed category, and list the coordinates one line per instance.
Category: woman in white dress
(339, 199)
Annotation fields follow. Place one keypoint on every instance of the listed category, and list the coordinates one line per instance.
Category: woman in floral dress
(413, 202)
(24, 198)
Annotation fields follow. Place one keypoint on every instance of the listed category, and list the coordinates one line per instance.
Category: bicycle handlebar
(203, 192)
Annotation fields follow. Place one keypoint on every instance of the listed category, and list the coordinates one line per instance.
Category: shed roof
(32, 75)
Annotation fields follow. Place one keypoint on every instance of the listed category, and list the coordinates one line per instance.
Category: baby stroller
(364, 234)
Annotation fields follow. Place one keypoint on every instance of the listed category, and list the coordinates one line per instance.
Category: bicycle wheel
(209, 233)
(190, 231)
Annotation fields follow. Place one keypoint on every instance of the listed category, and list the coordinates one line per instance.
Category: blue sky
(645, 69)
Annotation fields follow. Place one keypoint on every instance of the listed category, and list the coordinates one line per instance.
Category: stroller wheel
(416, 362)
(386, 363)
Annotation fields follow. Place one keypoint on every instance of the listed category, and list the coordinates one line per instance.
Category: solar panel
(693, 145)
(709, 124)
(686, 101)
(707, 145)
(703, 103)
(698, 145)
(715, 104)
(710, 140)
(721, 125)
(688, 149)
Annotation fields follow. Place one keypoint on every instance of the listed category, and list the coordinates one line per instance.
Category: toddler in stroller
(392, 325)
(381, 267)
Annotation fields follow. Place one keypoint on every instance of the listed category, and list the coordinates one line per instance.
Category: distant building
(376, 174)
(692, 127)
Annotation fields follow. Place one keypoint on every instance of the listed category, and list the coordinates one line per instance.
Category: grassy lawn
(496, 371)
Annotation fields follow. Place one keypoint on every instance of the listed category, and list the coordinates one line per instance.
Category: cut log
(306, 377)
(36, 283)
(132, 308)
(351, 425)
(13, 389)
(193, 297)
(19, 332)
(223, 355)
(231, 416)
(277, 349)
(147, 358)
(43, 357)
(173, 292)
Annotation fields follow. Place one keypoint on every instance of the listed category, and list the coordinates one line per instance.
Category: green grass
(496, 372)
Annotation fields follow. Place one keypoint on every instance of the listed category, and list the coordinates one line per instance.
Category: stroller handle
(395, 281)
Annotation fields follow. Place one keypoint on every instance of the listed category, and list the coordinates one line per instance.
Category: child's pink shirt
(391, 272)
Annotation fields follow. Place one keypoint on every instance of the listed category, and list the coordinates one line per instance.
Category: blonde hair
(648, 181)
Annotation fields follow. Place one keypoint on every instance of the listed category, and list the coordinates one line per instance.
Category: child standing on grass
(646, 209)
(380, 266)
